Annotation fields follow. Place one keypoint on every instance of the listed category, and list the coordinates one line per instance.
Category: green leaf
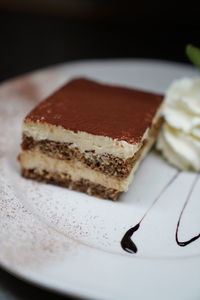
(193, 54)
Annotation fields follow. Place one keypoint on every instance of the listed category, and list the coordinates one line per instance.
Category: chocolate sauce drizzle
(183, 244)
(126, 243)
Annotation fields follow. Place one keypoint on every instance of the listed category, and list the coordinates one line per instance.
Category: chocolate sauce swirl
(126, 242)
(185, 243)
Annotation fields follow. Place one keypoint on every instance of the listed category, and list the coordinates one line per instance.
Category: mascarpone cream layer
(82, 140)
(37, 160)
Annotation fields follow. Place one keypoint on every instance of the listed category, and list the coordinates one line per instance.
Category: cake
(90, 137)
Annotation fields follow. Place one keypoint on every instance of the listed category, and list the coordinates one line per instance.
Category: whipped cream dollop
(179, 138)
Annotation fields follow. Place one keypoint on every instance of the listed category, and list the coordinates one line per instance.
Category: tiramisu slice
(90, 137)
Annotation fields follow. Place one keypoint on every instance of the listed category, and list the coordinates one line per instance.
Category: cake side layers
(63, 179)
(106, 163)
(37, 163)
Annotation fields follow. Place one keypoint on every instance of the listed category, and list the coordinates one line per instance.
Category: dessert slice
(90, 137)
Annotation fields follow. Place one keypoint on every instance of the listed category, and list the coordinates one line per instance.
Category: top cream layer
(84, 141)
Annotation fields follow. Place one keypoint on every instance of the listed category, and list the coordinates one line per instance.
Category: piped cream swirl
(179, 139)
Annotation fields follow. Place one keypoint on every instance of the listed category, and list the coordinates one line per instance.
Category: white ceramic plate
(70, 242)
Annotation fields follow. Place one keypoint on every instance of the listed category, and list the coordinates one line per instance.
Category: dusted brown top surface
(84, 105)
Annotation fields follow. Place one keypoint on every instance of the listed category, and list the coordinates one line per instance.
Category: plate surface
(70, 242)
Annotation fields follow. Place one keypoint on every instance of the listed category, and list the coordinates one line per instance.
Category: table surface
(12, 288)
(31, 41)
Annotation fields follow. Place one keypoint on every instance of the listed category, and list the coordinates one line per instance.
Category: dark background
(35, 34)
(39, 33)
